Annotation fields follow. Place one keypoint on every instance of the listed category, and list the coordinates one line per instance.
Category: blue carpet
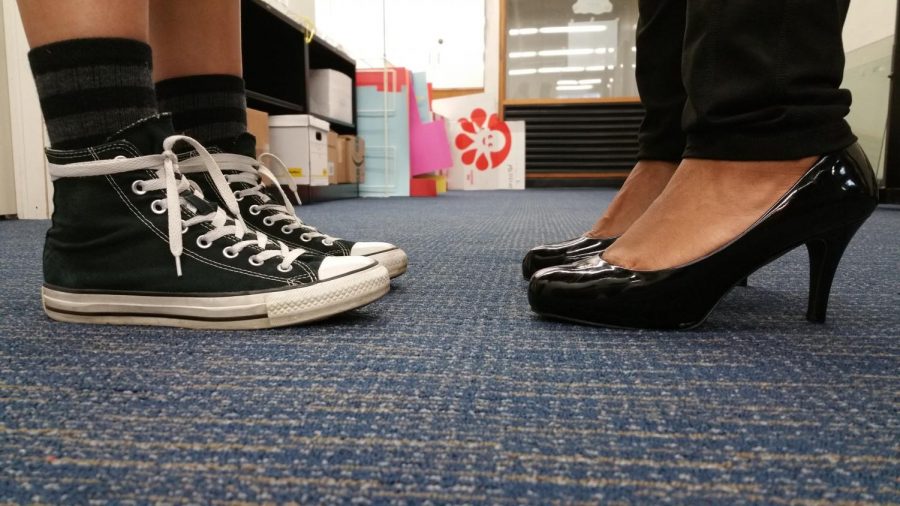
(449, 390)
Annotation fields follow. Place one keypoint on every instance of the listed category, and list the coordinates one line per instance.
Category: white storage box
(331, 94)
(301, 141)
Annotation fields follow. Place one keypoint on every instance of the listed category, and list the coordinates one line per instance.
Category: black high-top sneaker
(266, 208)
(134, 242)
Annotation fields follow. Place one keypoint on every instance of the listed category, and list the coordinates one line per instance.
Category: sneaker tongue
(203, 206)
(147, 135)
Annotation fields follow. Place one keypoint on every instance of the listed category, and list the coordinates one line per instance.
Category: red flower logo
(485, 141)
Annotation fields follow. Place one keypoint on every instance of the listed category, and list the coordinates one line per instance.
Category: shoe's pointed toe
(550, 255)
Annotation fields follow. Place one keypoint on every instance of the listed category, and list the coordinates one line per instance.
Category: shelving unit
(277, 61)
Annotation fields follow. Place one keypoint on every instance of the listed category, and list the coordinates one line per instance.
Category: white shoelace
(167, 172)
(243, 169)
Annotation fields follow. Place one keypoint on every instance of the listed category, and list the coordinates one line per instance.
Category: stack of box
(346, 158)
(353, 169)
(258, 126)
(314, 154)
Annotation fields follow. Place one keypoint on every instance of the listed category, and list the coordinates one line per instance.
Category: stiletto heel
(825, 254)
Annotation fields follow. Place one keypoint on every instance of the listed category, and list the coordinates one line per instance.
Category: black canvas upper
(105, 237)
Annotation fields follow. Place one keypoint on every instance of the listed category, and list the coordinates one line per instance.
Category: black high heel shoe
(822, 211)
(566, 252)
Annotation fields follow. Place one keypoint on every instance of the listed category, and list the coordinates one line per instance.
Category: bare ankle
(645, 182)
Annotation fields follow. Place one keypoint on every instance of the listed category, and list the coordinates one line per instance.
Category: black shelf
(341, 127)
(272, 105)
(330, 192)
(277, 62)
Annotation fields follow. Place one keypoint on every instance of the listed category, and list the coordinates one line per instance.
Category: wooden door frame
(890, 194)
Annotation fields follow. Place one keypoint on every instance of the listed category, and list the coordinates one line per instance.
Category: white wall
(306, 8)
(869, 21)
(7, 177)
(492, 47)
(27, 134)
(443, 38)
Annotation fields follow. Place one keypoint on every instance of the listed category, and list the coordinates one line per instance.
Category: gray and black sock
(91, 88)
(209, 108)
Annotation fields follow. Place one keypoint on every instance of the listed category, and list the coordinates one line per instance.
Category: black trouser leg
(763, 79)
(659, 38)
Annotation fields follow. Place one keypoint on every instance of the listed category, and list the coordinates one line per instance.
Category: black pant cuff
(669, 149)
(758, 146)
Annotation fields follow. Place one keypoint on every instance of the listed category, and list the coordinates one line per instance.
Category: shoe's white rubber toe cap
(333, 267)
(385, 253)
(370, 248)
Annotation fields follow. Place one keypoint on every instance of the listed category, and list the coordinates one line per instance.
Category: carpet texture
(449, 390)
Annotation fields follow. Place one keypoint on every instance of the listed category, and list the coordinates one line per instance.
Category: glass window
(570, 48)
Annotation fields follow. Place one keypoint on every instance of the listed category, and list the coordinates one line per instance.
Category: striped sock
(91, 88)
(209, 108)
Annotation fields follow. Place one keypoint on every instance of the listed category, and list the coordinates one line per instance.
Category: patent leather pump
(823, 211)
(566, 252)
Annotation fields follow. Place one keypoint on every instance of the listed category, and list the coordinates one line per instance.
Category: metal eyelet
(238, 196)
(286, 229)
(255, 261)
(268, 221)
(254, 210)
(157, 207)
(184, 229)
(305, 237)
(137, 187)
(283, 269)
(229, 253)
(326, 242)
(203, 242)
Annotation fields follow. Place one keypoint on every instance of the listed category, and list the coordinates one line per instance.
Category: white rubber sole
(253, 311)
(395, 260)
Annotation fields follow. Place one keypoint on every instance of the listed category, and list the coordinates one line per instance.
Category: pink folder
(428, 143)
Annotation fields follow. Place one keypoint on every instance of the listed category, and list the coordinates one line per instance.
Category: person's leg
(197, 67)
(197, 64)
(660, 35)
(764, 102)
(91, 65)
(661, 140)
(130, 240)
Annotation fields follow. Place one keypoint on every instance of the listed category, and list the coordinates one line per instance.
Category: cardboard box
(342, 166)
(354, 166)
(488, 153)
(331, 94)
(335, 157)
(301, 141)
(258, 126)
